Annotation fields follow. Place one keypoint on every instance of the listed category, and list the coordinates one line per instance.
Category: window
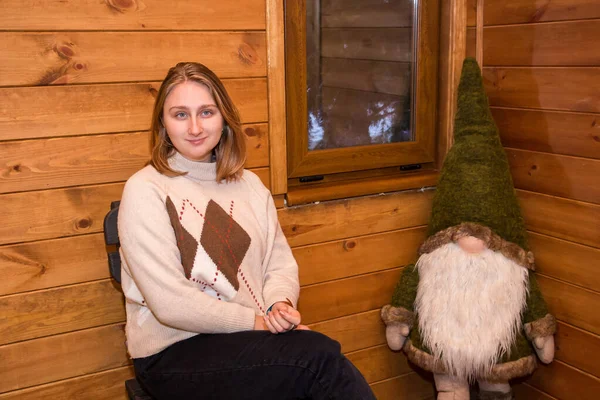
(361, 86)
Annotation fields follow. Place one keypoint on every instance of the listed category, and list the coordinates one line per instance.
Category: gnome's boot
(495, 391)
(451, 388)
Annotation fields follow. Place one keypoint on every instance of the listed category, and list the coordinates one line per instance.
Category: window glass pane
(360, 65)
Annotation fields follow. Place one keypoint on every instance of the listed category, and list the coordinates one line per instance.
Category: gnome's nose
(471, 244)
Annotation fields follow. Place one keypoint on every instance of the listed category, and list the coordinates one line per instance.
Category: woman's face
(192, 120)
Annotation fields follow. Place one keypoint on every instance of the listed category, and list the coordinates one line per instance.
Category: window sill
(359, 187)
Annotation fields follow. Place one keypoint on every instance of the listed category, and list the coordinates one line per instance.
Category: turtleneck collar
(196, 170)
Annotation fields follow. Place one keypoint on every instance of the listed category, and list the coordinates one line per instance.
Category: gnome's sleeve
(401, 310)
(537, 320)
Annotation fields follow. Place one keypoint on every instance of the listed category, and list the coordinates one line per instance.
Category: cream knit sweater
(199, 256)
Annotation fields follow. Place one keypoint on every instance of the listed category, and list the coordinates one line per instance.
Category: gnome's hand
(396, 335)
(544, 347)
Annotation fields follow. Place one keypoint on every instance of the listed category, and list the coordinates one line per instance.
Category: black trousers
(252, 365)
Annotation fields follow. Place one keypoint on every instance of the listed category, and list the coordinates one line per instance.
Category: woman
(210, 281)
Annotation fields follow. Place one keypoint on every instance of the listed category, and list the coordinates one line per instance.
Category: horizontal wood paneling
(356, 331)
(572, 304)
(90, 109)
(578, 348)
(106, 385)
(372, 76)
(93, 57)
(56, 213)
(566, 219)
(347, 296)
(527, 11)
(574, 134)
(341, 219)
(410, 386)
(62, 356)
(525, 391)
(567, 261)
(344, 258)
(85, 160)
(379, 363)
(560, 88)
(50, 263)
(131, 15)
(564, 176)
(385, 44)
(36, 314)
(366, 13)
(553, 44)
(565, 382)
(75, 210)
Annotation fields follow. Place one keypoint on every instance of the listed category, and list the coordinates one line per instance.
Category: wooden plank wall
(77, 84)
(542, 79)
(351, 253)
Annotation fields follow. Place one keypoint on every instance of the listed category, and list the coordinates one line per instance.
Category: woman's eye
(180, 115)
(207, 113)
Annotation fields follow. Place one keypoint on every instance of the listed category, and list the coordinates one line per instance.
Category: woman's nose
(195, 126)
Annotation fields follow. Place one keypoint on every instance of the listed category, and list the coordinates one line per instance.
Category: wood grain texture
(371, 76)
(384, 251)
(560, 88)
(411, 386)
(43, 15)
(62, 356)
(525, 391)
(385, 44)
(106, 385)
(577, 348)
(52, 311)
(86, 160)
(341, 219)
(50, 263)
(571, 304)
(562, 218)
(56, 213)
(567, 261)
(276, 82)
(40, 58)
(550, 44)
(471, 42)
(453, 50)
(379, 363)
(91, 109)
(366, 13)
(564, 176)
(471, 6)
(564, 382)
(338, 298)
(527, 11)
(340, 189)
(354, 332)
(574, 134)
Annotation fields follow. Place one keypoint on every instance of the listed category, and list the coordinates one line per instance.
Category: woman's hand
(282, 318)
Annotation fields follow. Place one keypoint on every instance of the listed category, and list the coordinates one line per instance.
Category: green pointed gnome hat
(475, 195)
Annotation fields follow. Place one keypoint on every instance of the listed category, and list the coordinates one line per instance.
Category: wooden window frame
(303, 163)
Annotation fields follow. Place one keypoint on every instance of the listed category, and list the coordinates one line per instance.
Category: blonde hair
(230, 152)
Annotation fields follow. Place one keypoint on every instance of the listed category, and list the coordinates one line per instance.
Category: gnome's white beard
(469, 307)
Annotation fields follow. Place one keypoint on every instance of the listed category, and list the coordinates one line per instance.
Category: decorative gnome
(471, 301)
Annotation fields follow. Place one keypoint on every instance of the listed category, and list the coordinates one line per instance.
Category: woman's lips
(196, 141)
